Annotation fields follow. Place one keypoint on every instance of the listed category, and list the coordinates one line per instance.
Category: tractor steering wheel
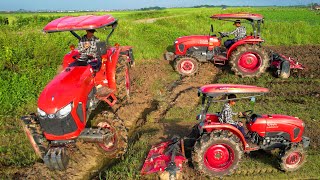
(247, 115)
(222, 35)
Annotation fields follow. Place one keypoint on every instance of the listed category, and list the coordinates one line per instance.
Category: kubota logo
(272, 125)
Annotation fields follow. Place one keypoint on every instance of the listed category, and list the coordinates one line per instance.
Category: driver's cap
(237, 21)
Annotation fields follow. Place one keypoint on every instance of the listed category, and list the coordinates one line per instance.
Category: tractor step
(220, 59)
(95, 135)
(56, 158)
(106, 94)
(251, 146)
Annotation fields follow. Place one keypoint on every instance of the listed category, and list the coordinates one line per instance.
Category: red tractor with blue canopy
(68, 100)
(246, 57)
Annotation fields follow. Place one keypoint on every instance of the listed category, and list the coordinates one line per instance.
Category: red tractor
(66, 103)
(246, 57)
(217, 147)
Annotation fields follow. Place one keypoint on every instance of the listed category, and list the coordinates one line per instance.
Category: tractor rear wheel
(292, 159)
(217, 154)
(116, 146)
(249, 61)
(123, 78)
(186, 66)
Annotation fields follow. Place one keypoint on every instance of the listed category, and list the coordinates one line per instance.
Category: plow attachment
(284, 65)
(167, 156)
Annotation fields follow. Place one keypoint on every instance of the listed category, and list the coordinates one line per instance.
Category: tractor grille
(57, 126)
(296, 132)
(181, 47)
(80, 112)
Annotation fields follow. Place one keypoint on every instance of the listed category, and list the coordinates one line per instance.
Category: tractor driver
(87, 45)
(239, 33)
(226, 114)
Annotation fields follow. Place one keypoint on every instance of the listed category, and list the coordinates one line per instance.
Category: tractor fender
(111, 59)
(241, 42)
(127, 52)
(229, 127)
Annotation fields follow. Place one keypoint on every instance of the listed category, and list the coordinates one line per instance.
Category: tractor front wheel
(217, 154)
(249, 61)
(116, 145)
(292, 159)
(186, 66)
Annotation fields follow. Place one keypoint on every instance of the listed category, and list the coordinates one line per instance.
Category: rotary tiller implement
(167, 156)
(65, 104)
(283, 65)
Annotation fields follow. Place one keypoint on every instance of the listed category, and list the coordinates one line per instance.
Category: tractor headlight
(64, 111)
(41, 113)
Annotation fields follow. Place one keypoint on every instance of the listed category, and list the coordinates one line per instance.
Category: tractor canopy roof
(70, 23)
(247, 16)
(214, 90)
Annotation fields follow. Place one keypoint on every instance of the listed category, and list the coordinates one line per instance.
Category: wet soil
(156, 89)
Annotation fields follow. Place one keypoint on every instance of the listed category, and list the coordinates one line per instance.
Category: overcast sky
(9, 5)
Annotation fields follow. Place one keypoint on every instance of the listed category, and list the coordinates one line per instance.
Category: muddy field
(156, 90)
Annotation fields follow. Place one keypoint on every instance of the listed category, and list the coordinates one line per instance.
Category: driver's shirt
(226, 114)
(239, 33)
(88, 46)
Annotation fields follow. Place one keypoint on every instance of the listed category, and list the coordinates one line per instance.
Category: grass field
(29, 58)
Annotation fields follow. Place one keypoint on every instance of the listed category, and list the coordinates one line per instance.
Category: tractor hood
(64, 88)
(283, 119)
(193, 39)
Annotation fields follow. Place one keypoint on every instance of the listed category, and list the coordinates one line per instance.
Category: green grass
(28, 60)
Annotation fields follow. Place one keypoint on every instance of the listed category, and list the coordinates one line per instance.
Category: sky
(12, 5)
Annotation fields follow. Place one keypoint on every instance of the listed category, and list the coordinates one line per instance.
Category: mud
(155, 92)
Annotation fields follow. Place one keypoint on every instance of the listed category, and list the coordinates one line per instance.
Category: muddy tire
(118, 145)
(123, 78)
(249, 61)
(217, 154)
(186, 66)
(292, 159)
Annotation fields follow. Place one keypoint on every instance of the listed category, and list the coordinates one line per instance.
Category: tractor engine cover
(62, 103)
(182, 44)
(288, 127)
